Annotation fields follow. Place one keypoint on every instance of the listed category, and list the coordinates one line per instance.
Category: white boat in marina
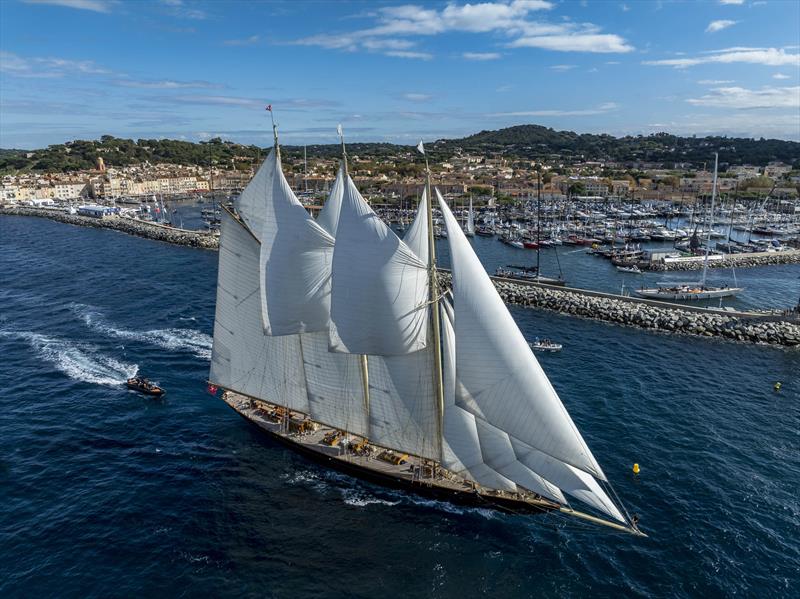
(545, 345)
(699, 290)
(630, 269)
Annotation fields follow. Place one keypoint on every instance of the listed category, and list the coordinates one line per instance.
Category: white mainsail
(243, 359)
(250, 203)
(295, 261)
(499, 379)
(379, 288)
(416, 237)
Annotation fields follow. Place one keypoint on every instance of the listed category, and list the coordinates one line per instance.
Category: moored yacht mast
(710, 221)
(363, 357)
(433, 298)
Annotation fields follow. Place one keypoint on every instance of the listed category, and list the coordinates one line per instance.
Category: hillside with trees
(532, 142)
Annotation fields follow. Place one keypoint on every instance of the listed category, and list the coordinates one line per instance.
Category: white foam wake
(79, 362)
(190, 340)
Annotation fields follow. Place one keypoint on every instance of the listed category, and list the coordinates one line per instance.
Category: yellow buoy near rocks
(777, 386)
(636, 468)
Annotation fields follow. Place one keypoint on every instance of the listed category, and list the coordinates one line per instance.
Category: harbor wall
(148, 230)
(727, 261)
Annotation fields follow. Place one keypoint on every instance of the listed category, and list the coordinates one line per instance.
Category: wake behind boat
(398, 392)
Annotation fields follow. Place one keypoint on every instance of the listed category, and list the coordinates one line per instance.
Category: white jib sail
(243, 359)
(295, 262)
(379, 288)
(499, 379)
(473, 448)
(416, 237)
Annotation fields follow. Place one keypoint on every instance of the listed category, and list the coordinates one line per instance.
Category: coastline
(746, 327)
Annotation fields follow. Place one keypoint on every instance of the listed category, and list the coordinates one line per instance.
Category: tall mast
(433, 298)
(363, 361)
(710, 221)
(538, 215)
(274, 132)
(305, 169)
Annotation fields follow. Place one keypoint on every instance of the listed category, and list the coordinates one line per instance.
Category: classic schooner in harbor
(342, 341)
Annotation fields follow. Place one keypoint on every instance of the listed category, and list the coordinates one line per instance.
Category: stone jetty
(730, 261)
(198, 239)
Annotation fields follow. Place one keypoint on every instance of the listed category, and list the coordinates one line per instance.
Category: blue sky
(394, 71)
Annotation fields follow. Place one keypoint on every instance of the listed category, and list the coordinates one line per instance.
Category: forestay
(295, 262)
(498, 378)
(379, 287)
(243, 359)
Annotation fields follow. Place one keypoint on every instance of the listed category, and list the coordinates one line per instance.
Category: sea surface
(108, 493)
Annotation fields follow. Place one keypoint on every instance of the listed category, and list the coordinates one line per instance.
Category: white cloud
(509, 18)
(406, 54)
(624, 7)
(766, 56)
(92, 5)
(481, 55)
(415, 97)
(719, 25)
(19, 66)
(562, 67)
(715, 81)
(248, 41)
(178, 8)
(731, 1)
(603, 108)
(780, 76)
(167, 84)
(742, 98)
(575, 42)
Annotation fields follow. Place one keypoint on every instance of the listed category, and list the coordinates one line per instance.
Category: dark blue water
(108, 493)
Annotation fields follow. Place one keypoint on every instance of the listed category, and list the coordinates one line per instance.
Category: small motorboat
(545, 345)
(632, 269)
(143, 385)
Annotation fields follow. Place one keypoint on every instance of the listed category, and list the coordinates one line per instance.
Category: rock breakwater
(198, 239)
(732, 261)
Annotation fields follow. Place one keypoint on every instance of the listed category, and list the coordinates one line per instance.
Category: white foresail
(498, 378)
(416, 237)
(473, 448)
(250, 204)
(295, 262)
(243, 359)
(379, 288)
(470, 219)
(328, 217)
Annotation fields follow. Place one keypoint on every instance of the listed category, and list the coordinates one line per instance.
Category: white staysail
(335, 393)
(402, 403)
(416, 237)
(498, 377)
(328, 217)
(379, 288)
(295, 262)
(243, 359)
(470, 220)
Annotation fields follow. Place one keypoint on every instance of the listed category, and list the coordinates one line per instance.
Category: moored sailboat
(340, 340)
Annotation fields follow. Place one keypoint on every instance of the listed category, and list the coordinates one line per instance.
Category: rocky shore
(733, 261)
(198, 239)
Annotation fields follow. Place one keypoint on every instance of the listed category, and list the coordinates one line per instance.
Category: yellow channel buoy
(636, 468)
(777, 386)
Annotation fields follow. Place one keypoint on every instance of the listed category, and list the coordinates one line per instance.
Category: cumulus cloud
(780, 76)
(50, 67)
(765, 56)
(746, 99)
(731, 1)
(719, 25)
(512, 19)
